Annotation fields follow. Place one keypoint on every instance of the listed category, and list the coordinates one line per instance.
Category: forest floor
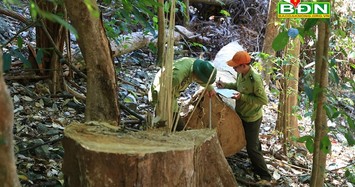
(40, 119)
(40, 116)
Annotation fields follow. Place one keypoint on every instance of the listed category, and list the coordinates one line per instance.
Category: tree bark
(56, 33)
(8, 174)
(161, 33)
(321, 83)
(270, 34)
(101, 103)
(287, 122)
(187, 13)
(96, 156)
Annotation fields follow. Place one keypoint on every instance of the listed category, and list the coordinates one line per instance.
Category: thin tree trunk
(287, 117)
(321, 83)
(52, 31)
(287, 122)
(161, 33)
(57, 73)
(270, 34)
(102, 101)
(165, 104)
(187, 13)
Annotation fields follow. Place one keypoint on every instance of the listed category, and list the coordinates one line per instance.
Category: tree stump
(96, 156)
(224, 119)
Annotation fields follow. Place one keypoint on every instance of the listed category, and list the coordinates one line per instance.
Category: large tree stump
(224, 119)
(95, 156)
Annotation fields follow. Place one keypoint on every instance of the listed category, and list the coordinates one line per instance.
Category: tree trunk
(270, 34)
(321, 83)
(161, 33)
(288, 100)
(8, 174)
(96, 156)
(187, 13)
(101, 102)
(57, 34)
(224, 119)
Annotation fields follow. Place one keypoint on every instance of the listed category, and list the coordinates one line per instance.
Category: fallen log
(224, 119)
(98, 156)
(138, 40)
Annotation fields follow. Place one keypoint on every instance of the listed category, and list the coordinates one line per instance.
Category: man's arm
(259, 96)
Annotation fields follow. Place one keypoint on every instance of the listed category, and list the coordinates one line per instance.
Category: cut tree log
(137, 40)
(224, 119)
(8, 174)
(97, 156)
(227, 122)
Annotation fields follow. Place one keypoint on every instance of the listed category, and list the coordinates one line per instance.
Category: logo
(298, 9)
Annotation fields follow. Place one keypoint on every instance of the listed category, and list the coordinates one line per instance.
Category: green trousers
(253, 146)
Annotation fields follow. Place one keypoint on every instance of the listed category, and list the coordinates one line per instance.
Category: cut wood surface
(227, 122)
(95, 156)
(229, 126)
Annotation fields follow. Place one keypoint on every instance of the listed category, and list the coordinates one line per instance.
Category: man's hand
(220, 84)
(211, 93)
(236, 96)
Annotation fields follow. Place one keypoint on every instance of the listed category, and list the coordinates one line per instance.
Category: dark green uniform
(183, 76)
(249, 109)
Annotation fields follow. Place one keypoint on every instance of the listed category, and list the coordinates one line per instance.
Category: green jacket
(182, 78)
(253, 96)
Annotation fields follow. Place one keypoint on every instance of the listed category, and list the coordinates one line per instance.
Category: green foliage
(131, 13)
(35, 11)
(195, 44)
(325, 145)
(182, 6)
(350, 133)
(349, 174)
(333, 72)
(19, 54)
(225, 13)
(309, 142)
(95, 12)
(280, 41)
(6, 62)
(310, 23)
(39, 56)
(19, 42)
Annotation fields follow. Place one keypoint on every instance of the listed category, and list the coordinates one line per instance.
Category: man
(250, 97)
(185, 71)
